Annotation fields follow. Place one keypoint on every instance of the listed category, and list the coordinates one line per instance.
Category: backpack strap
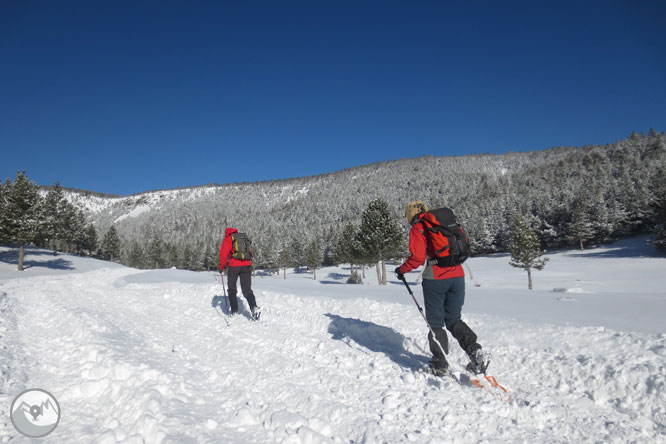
(432, 225)
(427, 229)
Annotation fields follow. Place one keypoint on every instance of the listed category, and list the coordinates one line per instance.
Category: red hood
(229, 231)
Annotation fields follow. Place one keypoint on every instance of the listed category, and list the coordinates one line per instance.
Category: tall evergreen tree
(187, 261)
(155, 253)
(4, 232)
(656, 147)
(91, 240)
(284, 260)
(172, 256)
(209, 261)
(268, 255)
(76, 231)
(581, 226)
(22, 213)
(55, 215)
(111, 245)
(135, 257)
(346, 250)
(381, 235)
(314, 257)
(660, 213)
(328, 246)
(525, 248)
(297, 252)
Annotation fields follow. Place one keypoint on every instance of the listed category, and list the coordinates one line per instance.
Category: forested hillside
(569, 196)
(590, 194)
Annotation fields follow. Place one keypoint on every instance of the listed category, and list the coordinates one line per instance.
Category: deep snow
(149, 356)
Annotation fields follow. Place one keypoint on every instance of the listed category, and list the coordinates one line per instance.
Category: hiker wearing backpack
(236, 248)
(437, 240)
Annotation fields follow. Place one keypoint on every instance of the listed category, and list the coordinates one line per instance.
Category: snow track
(145, 357)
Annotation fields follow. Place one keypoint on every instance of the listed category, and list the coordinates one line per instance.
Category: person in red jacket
(443, 297)
(237, 268)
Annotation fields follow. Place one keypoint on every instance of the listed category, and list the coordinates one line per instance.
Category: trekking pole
(471, 276)
(404, 281)
(215, 304)
(224, 290)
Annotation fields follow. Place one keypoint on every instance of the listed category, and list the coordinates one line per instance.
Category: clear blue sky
(127, 96)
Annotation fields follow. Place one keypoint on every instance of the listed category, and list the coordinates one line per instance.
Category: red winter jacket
(419, 249)
(226, 250)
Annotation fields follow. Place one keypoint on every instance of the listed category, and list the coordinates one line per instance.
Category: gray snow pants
(443, 300)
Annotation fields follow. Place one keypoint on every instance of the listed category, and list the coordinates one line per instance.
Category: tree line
(48, 220)
(566, 196)
(51, 221)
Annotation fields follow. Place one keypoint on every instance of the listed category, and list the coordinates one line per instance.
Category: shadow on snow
(11, 257)
(638, 246)
(222, 302)
(375, 338)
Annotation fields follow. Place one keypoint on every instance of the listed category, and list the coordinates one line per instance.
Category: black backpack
(241, 246)
(448, 240)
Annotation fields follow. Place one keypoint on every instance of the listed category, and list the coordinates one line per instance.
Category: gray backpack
(241, 246)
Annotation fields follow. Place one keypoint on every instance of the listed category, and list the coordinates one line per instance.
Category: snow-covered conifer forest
(570, 195)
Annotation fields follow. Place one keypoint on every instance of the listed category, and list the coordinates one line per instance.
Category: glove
(399, 273)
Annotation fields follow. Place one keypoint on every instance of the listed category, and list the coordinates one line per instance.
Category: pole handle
(404, 281)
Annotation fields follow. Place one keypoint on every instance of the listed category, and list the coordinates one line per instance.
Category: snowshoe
(479, 362)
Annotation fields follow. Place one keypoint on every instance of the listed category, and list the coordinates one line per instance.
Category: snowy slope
(120, 208)
(149, 356)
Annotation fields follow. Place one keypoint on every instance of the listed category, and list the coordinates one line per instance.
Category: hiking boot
(479, 361)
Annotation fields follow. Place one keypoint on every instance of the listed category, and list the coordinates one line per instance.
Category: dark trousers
(443, 300)
(245, 274)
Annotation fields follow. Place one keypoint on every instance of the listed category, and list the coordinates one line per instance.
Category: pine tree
(600, 215)
(75, 233)
(284, 260)
(111, 245)
(55, 213)
(268, 255)
(155, 253)
(656, 147)
(660, 212)
(22, 213)
(135, 258)
(170, 257)
(297, 252)
(209, 261)
(329, 241)
(345, 248)
(381, 235)
(313, 257)
(581, 226)
(187, 261)
(91, 240)
(525, 248)
(4, 232)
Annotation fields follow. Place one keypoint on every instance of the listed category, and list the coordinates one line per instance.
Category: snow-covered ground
(138, 356)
